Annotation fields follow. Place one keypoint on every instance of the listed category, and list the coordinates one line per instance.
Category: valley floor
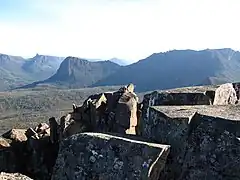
(27, 108)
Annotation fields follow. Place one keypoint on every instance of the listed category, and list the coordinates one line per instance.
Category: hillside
(17, 71)
(41, 66)
(77, 73)
(179, 68)
(22, 108)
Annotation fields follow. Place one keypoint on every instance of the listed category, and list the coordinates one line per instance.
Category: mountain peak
(118, 61)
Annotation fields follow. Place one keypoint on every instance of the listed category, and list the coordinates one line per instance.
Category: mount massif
(176, 68)
(75, 73)
(17, 71)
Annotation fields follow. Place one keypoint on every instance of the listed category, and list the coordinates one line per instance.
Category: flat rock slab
(106, 157)
(192, 89)
(180, 115)
(170, 98)
(175, 97)
(175, 119)
(227, 112)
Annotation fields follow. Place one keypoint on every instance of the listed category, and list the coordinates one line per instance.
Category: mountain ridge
(77, 73)
(179, 68)
(164, 70)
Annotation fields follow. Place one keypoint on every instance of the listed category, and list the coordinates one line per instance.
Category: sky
(126, 29)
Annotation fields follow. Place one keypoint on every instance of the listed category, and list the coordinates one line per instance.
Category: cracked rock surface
(106, 157)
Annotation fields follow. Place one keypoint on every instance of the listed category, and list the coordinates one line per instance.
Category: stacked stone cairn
(187, 133)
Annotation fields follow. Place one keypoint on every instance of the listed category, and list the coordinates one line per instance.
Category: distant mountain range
(176, 68)
(16, 71)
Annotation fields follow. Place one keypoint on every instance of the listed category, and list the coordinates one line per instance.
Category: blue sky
(127, 29)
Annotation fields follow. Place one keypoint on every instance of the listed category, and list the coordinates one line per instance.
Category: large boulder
(16, 135)
(213, 150)
(196, 134)
(227, 94)
(101, 156)
(13, 176)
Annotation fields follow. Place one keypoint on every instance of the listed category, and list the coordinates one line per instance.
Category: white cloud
(126, 29)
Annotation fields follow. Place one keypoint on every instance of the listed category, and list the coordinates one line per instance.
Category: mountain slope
(179, 68)
(17, 71)
(42, 66)
(76, 73)
(11, 72)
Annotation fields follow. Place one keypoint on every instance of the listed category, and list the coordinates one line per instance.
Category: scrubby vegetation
(24, 108)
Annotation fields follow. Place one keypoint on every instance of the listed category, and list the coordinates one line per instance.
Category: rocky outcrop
(33, 151)
(106, 112)
(13, 176)
(195, 138)
(102, 156)
(227, 94)
(176, 97)
(174, 134)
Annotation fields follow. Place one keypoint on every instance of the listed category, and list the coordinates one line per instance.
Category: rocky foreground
(184, 134)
